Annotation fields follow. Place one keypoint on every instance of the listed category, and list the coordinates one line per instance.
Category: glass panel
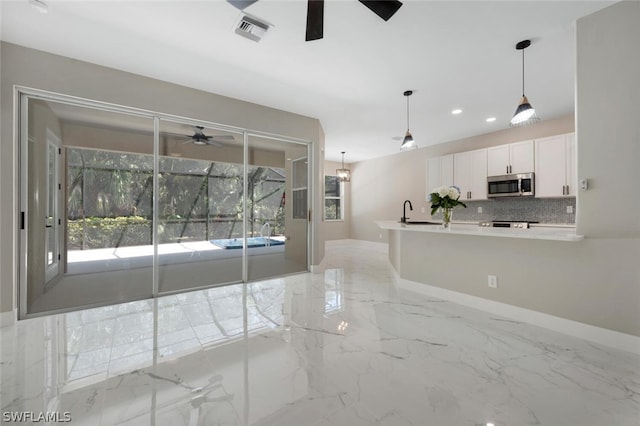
(332, 209)
(299, 188)
(51, 227)
(199, 207)
(331, 186)
(97, 211)
(276, 240)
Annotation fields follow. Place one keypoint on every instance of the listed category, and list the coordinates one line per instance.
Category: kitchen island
(536, 232)
(544, 275)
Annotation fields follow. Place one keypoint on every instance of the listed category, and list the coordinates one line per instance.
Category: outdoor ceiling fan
(385, 9)
(199, 138)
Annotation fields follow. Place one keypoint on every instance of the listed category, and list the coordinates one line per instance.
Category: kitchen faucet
(404, 217)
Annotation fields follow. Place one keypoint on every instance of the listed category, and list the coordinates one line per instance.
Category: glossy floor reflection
(344, 347)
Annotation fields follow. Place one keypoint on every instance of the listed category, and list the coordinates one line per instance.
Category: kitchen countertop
(538, 232)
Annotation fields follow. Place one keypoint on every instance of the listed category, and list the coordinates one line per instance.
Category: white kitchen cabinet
(555, 160)
(439, 172)
(470, 174)
(511, 158)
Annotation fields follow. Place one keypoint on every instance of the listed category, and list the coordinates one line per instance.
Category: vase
(446, 218)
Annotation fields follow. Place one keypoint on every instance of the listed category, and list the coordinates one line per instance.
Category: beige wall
(338, 230)
(595, 281)
(608, 121)
(380, 186)
(36, 69)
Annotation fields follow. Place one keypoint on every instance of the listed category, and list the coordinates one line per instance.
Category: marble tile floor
(342, 347)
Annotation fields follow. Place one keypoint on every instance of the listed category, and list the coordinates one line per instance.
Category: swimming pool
(236, 243)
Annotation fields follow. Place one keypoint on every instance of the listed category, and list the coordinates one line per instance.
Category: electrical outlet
(380, 235)
(479, 209)
(422, 209)
(492, 281)
(569, 209)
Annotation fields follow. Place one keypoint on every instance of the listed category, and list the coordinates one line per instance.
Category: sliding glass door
(89, 239)
(277, 231)
(119, 204)
(200, 181)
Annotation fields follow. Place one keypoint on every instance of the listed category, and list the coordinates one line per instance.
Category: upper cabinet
(470, 174)
(439, 172)
(512, 158)
(555, 160)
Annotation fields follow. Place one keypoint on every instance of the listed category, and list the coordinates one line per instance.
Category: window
(333, 198)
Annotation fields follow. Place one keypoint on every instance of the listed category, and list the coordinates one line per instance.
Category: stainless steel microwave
(515, 185)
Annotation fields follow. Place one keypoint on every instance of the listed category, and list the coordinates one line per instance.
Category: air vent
(251, 28)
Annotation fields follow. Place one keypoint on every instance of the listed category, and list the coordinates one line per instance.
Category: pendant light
(344, 175)
(525, 113)
(408, 142)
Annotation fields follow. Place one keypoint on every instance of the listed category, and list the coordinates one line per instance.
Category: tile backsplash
(543, 210)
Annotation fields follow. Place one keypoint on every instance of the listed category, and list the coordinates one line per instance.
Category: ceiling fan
(199, 138)
(385, 9)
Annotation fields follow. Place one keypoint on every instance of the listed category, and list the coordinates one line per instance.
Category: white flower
(442, 191)
(454, 193)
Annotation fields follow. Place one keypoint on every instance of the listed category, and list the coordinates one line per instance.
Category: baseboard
(8, 318)
(614, 339)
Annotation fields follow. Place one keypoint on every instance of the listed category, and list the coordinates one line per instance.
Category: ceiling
(452, 54)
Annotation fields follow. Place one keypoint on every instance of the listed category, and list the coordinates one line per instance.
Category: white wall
(36, 69)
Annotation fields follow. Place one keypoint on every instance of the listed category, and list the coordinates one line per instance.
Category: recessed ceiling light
(490, 119)
(456, 111)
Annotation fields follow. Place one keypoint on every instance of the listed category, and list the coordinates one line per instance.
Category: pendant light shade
(525, 113)
(408, 142)
(344, 175)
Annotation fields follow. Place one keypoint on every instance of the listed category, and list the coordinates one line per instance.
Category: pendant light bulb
(408, 142)
(525, 113)
(343, 174)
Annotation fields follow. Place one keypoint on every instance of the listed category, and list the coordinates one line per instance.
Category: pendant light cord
(523, 72)
(408, 113)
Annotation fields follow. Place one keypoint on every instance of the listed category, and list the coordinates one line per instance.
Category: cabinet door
(470, 174)
(521, 157)
(572, 169)
(462, 170)
(497, 160)
(439, 172)
(446, 170)
(478, 175)
(550, 166)
(433, 175)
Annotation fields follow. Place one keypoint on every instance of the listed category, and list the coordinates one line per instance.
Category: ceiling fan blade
(241, 4)
(315, 19)
(213, 142)
(383, 8)
(222, 138)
